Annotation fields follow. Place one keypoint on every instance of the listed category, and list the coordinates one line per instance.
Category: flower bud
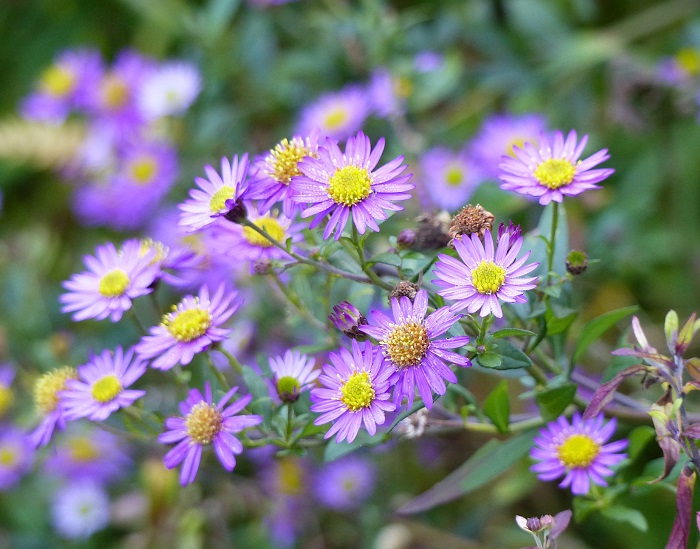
(236, 211)
(576, 262)
(348, 319)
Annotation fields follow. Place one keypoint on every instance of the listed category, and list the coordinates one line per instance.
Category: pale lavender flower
(346, 483)
(102, 385)
(49, 407)
(449, 178)
(384, 92)
(7, 396)
(203, 423)
(112, 281)
(428, 61)
(176, 262)
(335, 114)
(480, 278)
(355, 391)
(80, 509)
(192, 326)
(413, 348)
(345, 184)
(169, 90)
(577, 451)
(16, 456)
(293, 374)
(553, 169)
(209, 202)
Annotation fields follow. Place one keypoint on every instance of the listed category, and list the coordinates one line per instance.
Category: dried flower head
(470, 220)
(404, 289)
(431, 231)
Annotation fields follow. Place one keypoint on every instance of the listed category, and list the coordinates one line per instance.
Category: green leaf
(512, 357)
(488, 462)
(583, 507)
(597, 327)
(387, 259)
(512, 332)
(558, 319)
(497, 406)
(639, 438)
(261, 403)
(489, 359)
(553, 401)
(620, 513)
(335, 450)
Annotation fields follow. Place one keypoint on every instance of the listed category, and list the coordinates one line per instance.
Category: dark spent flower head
(470, 220)
(404, 289)
(432, 231)
(576, 262)
(348, 319)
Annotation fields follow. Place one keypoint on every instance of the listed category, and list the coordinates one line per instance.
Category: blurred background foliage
(585, 64)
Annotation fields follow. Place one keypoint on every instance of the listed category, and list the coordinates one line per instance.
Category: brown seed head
(470, 220)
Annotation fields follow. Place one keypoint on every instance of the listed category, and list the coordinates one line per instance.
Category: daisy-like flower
(292, 373)
(7, 396)
(577, 451)
(341, 184)
(412, 348)
(16, 456)
(209, 202)
(102, 385)
(346, 483)
(47, 391)
(80, 509)
(204, 423)
(449, 178)
(336, 114)
(480, 278)
(355, 391)
(552, 169)
(275, 170)
(387, 93)
(192, 326)
(169, 90)
(113, 279)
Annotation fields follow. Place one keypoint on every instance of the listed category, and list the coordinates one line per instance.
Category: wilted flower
(471, 220)
(404, 289)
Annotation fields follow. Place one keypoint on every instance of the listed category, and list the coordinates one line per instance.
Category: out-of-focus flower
(553, 169)
(112, 281)
(681, 68)
(412, 348)
(387, 93)
(192, 326)
(80, 509)
(102, 385)
(498, 135)
(548, 526)
(203, 423)
(176, 262)
(449, 178)
(7, 396)
(428, 61)
(293, 373)
(480, 278)
(346, 483)
(16, 456)
(341, 184)
(348, 319)
(169, 90)
(355, 391)
(48, 404)
(209, 203)
(336, 114)
(577, 451)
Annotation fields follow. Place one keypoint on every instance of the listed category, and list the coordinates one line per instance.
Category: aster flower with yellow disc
(552, 169)
(481, 277)
(355, 391)
(577, 451)
(102, 385)
(344, 184)
(413, 348)
(203, 423)
(49, 406)
(190, 328)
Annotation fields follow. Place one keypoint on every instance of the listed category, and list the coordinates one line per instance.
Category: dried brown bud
(470, 220)
(404, 289)
(431, 231)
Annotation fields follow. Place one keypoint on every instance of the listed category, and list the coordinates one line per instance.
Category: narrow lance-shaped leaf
(606, 391)
(684, 508)
(686, 335)
(597, 327)
(671, 330)
(497, 406)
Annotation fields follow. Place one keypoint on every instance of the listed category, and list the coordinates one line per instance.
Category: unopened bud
(576, 262)
(237, 211)
(348, 319)
(406, 239)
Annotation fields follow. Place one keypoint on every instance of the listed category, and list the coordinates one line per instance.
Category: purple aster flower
(275, 170)
(47, 393)
(16, 456)
(169, 90)
(341, 184)
(412, 348)
(80, 509)
(64, 86)
(207, 204)
(88, 453)
(681, 68)
(102, 385)
(336, 114)
(7, 396)
(346, 483)
(499, 133)
(578, 451)
(480, 277)
(192, 326)
(203, 423)
(449, 178)
(293, 374)
(111, 282)
(385, 94)
(355, 391)
(553, 169)
(175, 262)
(348, 319)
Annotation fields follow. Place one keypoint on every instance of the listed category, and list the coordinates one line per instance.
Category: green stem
(374, 277)
(217, 373)
(290, 423)
(137, 321)
(294, 301)
(552, 236)
(232, 360)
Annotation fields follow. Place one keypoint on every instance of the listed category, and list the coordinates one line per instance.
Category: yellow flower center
(488, 277)
(290, 476)
(357, 392)
(143, 170)
(555, 173)
(578, 451)
(57, 81)
(203, 423)
(336, 118)
(403, 87)
(115, 92)
(283, 160)
(82, 449)
(106, 388)
(454, 176)
(160, 249)
(349, 185)
(114, 283)
(218, 200)
(189, 324)
(7, 397)
(270, 226)
(407, 344)
(689, 60)
(47, 387)
(8, 456)
(517, 142)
